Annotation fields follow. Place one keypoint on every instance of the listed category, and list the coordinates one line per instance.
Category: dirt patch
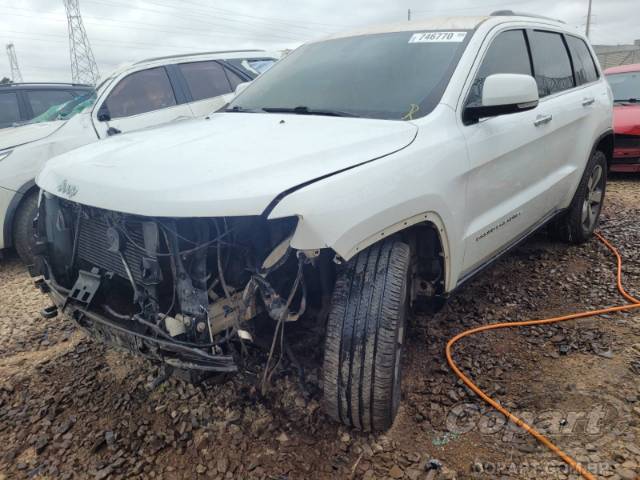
(22, 363)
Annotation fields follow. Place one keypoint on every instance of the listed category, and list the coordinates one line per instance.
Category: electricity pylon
(16, 75)
(83, 64)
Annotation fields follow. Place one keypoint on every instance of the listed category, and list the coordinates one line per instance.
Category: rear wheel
(365, 334)
(578, 223)
(23, 234)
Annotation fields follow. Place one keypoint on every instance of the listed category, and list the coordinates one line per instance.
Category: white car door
(139, 100)
(509, 162)
(578, 113)
(210, 84)
(568, 138)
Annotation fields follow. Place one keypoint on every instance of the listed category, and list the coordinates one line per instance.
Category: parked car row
(364, 175)
(142, 95)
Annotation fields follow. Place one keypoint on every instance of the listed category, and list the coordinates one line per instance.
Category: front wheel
(365, 333)
(578, 223)
(23, 234)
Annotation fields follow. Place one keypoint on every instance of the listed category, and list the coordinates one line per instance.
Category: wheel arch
(23, 192)
(605, 143)
(410, 227)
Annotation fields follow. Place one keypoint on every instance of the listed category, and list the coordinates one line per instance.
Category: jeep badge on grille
(68, 189)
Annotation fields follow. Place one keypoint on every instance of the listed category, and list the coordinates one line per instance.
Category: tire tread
(23, 227)
(361, 339)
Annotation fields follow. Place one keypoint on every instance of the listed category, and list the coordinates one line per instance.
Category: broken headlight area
(181, 291)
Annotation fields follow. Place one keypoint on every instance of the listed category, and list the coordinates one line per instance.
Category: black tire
(365, 333)
(23, 234)
(580, 220)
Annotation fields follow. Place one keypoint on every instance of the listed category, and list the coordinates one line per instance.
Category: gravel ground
(71, 408)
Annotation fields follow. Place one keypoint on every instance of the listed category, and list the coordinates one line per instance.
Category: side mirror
(241, 87)
(103, 113)
(504, 93)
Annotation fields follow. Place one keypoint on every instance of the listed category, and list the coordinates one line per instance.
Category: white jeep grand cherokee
(367, 173)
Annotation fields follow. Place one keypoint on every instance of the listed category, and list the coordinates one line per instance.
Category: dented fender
(343, 213)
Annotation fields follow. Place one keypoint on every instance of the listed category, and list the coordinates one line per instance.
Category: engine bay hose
(635, 304)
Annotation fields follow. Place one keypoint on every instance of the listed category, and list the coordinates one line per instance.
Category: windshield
(625, 86)
(66, 110)
(399, 76)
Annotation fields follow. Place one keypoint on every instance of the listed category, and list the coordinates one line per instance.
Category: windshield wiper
(303, 110)
(238, 108)
(626, 100)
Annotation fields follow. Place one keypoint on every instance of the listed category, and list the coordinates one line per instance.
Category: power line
(207, 9)
(16, 75)
(303, 24)
(110, 43)
(107, 42)
(281, 36)
(276, 32)
(207, 20)
(83, 64)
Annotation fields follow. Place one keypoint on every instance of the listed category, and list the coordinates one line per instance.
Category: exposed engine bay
(177, 290)
(193, 293)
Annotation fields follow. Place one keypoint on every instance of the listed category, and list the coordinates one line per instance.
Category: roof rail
(66, 84)
(511, 13)
(155, 59)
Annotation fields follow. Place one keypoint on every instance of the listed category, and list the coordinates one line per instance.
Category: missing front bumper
(116, 335)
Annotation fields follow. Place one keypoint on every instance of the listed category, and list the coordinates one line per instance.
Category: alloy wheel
(593, 199)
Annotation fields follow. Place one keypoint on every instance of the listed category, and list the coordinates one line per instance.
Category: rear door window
(205, 79)
(551, 62)
(583, 63)
(43, 100)
(507, 54)
(141, 92)
(9, 111)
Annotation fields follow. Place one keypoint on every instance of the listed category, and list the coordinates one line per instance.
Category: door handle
(542, 120)
(588, 101)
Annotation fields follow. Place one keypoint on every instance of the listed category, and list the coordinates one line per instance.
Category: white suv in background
(145, 94)
(362, 175)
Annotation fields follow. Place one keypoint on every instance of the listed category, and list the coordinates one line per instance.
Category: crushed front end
(176, 290)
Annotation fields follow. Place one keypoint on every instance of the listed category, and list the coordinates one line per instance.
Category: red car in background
(625, 83)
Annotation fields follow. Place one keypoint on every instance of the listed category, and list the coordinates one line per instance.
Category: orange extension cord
(494, 326)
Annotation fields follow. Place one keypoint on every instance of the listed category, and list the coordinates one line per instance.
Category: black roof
(36, 85)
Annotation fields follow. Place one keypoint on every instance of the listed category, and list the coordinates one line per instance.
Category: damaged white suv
(367, 173)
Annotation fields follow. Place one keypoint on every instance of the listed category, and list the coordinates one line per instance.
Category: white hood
(14, 136)
(232, 164)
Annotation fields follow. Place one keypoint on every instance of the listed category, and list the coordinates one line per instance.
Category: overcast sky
(122, 31)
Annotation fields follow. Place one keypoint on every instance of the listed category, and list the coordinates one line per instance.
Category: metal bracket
(86, 286)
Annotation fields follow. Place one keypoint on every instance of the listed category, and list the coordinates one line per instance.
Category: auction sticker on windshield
(436, 37)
